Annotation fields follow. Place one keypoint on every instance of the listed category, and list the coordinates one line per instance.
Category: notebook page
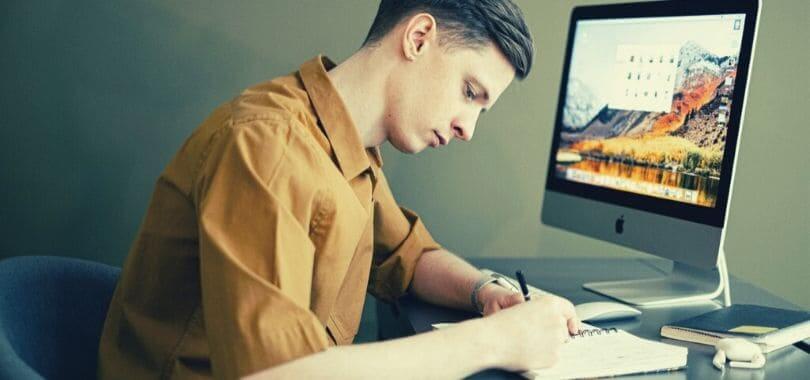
(611, 354)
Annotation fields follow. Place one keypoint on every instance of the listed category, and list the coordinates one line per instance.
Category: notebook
(770, 328)
(598, 352)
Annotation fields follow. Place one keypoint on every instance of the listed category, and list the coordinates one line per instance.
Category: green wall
(97, 96)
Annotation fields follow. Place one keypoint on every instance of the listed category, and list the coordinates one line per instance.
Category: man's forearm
(450, 353)
(445, 279)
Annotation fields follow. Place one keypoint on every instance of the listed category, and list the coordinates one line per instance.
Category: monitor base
(684, 284)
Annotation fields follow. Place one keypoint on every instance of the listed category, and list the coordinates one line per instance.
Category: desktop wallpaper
(648, 103)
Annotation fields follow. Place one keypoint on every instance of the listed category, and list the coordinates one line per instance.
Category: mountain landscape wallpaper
(675, 154)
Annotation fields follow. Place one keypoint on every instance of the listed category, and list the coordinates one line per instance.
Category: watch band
(495, 278)
(474, 295)
(505, 282)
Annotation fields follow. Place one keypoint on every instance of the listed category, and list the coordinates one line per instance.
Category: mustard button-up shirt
(261, 238)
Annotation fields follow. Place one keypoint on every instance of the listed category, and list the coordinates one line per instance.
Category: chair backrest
(52, 310)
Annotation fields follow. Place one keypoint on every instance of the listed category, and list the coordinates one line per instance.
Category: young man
(274, 218)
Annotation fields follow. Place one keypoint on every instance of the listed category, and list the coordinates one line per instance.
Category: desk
(564, 277)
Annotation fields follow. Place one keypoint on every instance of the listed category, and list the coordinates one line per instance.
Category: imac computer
(646, 136)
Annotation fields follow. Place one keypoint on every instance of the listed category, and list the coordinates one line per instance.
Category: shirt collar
(353, 158)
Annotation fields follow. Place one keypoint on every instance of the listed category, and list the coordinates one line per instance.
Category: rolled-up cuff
(390, 279)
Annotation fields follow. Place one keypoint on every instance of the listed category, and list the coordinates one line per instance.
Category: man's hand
(532, 332)
(494, 297)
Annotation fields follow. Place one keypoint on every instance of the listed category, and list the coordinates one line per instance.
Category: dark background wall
(97, 96)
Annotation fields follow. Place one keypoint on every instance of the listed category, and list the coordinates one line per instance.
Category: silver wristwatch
(493, 277)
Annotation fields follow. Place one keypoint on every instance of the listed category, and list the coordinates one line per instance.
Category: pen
(523, 287)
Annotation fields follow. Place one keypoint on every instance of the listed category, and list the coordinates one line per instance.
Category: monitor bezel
(713, 216)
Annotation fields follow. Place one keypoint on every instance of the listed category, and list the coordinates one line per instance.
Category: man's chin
(409, 148)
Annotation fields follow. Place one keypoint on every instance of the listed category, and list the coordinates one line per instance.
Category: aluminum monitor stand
(684, 284)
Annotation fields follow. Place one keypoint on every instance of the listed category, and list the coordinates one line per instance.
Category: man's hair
(465, 23)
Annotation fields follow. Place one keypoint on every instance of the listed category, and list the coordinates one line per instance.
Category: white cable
(724, 280)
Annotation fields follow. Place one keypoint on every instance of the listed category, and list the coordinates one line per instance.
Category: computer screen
(647, 105)
(648, 124)
(646, 136)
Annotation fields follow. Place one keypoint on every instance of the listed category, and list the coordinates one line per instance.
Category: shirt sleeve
(400, 238)
(256, 258)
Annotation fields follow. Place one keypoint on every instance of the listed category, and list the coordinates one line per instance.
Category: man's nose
(464, 131)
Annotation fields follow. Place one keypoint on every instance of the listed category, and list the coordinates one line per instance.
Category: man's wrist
(487, 284)
(485, 338)
(475, 295)
(486, 291)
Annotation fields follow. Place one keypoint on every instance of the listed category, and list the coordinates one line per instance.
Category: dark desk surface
(564, 277)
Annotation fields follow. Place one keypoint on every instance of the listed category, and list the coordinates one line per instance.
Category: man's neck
(360, 81)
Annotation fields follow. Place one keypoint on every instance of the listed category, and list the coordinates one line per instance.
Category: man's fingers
(510, 300)
(570, 314)
(567, 308)
(573, 326)
(502, 301)
(514, 299)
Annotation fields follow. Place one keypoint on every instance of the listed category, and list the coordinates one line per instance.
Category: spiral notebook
(598, 352)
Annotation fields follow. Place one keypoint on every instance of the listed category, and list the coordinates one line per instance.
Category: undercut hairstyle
(465, 23)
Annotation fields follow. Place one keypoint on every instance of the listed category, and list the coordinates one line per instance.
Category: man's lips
(442, 140)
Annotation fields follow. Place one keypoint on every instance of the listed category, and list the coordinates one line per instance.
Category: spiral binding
(594, 332)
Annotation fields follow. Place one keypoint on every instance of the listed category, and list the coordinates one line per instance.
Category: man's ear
(420, 32)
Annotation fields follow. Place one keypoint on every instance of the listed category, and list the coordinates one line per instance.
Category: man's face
(440, 95)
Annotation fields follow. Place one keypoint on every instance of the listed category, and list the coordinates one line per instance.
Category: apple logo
(620, 225)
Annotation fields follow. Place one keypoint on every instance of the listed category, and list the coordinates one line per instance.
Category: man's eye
(470, 93)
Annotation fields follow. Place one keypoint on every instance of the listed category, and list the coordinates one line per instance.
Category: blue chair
(52, 310)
